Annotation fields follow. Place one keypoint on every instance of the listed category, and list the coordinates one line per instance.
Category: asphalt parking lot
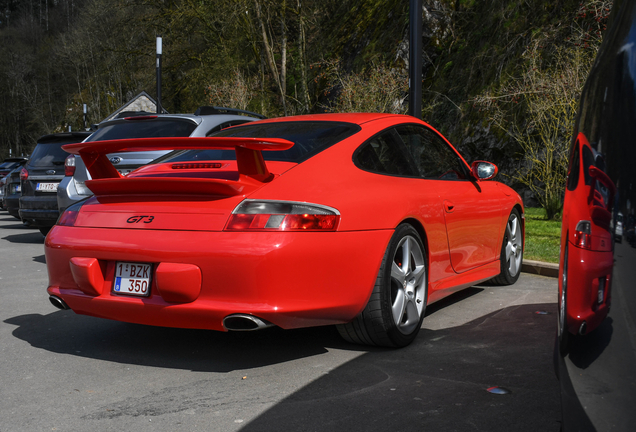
(66, 372)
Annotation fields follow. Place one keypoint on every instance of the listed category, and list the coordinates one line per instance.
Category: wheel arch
(519, 208)
(415, 223)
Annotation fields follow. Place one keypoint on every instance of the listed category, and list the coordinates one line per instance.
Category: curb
(540, 268)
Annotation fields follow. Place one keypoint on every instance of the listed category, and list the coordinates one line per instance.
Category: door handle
(449, 206)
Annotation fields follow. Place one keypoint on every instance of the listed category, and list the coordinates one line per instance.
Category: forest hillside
(501, 78)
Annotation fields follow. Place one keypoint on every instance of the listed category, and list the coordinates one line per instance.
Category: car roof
(63, 137)
(204, 114)
(356, 118)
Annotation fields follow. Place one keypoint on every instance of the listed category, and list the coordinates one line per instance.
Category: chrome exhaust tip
(583, 328)
(244, 322)
(58, 303)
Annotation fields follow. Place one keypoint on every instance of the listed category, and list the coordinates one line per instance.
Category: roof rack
(210, 110)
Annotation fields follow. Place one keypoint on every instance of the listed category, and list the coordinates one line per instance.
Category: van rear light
(282, 216)
(24, 174)
(583, 234)
(147, 117)
(69, 165)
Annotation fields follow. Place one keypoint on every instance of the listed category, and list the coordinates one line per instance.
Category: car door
(471, 208)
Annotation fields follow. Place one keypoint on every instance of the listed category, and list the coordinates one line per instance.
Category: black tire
(563, 334)
(511, 256)
(393, 316)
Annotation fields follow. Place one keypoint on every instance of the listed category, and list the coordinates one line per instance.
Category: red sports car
(359, 220)
(587, 243)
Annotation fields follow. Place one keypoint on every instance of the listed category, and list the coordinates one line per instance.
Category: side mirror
(483, 170)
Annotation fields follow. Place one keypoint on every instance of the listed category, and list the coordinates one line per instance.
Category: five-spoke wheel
(393, 316)
(408, 284)
(511, 251)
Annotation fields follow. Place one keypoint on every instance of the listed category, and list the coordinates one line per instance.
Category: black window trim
(403, 148)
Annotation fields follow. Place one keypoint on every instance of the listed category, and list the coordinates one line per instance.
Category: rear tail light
(24, 174)
(282, 216)
(583, 234)
(69, 216)
(69, 165)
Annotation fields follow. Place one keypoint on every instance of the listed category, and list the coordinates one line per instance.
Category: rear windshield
(309, 138)
(9, 165)
(46, 155)
(144, 129)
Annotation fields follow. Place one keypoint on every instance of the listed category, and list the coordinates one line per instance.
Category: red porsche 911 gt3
(358, 220)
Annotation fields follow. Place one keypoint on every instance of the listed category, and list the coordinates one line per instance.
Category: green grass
(542, 236)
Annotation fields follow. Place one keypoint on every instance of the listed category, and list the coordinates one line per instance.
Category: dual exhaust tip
(235, 322)
(58, 303)
(244, 322)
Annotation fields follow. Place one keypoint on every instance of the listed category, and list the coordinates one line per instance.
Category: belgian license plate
(132, 278)
(46, 187)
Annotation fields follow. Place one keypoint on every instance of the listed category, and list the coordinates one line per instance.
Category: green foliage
(379, 89)
(102, 52)
(543, 236)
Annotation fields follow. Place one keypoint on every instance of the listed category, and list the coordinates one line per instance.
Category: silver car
(204, 122)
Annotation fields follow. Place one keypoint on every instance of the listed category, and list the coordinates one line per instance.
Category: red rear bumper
(587, 270)
(289, 279)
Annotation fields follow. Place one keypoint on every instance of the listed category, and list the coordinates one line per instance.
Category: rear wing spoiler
(107, 180)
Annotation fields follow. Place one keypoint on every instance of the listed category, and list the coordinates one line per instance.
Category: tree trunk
(283, 62)
(269, 53)
(302, 60)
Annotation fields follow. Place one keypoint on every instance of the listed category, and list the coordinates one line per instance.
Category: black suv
(596, 366)
(40, 177)
(11, 190)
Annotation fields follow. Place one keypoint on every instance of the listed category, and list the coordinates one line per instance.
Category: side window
(588, 160)
(575, 163)
(434, 158)
(384, 154)
(217, 128)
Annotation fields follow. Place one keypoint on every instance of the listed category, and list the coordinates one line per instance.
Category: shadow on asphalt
(9, 218)
(17, 224)
(33, 237)
(65, 332)
(40, 259)
(439, 382)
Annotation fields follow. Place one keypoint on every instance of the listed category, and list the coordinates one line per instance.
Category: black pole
(415, 59)
(159, 49)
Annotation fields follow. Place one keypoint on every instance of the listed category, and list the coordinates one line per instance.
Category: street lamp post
(159, 49)
(415, 58)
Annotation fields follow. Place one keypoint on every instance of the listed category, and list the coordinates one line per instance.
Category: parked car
(3, 181)
(9, 164)
(205, 121)
(12, 191)
(595, 351)
(359, 220)
(587, 243)
(40, 177)
(5, 168)
(619, 227)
